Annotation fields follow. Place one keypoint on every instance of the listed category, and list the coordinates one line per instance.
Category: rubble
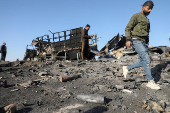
(127, 91)
(119, 87)
(42, 74)
(158, 106)
(167, 110)
(70, 108)
(10, 64)
(19, 71)
(26, 85)
(140, 79)
(87, 86)
(9, 109)
(14, 90)
(162, 50)
(3, 83)
(5, 64)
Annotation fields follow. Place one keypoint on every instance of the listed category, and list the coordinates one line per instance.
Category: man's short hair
(148, 3)
(87, 25)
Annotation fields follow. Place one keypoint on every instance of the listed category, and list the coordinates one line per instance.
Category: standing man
(137, 31)
(85, 43)
(3, 51)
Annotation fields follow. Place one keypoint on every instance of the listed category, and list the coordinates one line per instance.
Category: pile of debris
(156, 106)
(116, 48)
(94, 86)
(84, 86)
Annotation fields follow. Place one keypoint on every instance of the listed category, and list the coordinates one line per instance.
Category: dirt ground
(35, 92)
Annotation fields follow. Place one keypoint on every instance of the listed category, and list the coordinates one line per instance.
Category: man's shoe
(125, 71)
(151, 84)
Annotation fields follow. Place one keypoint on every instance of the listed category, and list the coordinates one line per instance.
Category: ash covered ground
(36, 87)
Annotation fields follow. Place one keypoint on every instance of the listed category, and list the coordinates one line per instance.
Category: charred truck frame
(65, 45)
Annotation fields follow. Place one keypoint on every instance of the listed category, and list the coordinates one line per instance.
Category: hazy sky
(23, 20)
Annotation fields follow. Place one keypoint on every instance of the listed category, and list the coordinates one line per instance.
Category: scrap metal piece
(160, 49)
(115, 43)
(92, 98)
(3, 82)
(65, 78)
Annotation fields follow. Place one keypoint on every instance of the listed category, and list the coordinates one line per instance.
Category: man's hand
(91, 36)
(128, 43)
(147, 44)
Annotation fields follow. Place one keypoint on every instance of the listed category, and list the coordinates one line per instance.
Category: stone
(60, 65)
(112, 87)
(144, 106)
(115, 108)
(124, 107)
(157, 106)
(13, 75)
(95, 88)
(20, 70)
(167, 110)
(0, 69)
(14, 90)
(166, 54)
(166, 79)
(26, 85)
(109, 90)
(117, 53)
(5, 64)
(66, 95)
(40, 65)
(81, 64)
(162, 103)
(75, 108)
(127, 91)
(140, 79)
(3, 82)
(42, 74)
(155, 57)
(130, 85)
(119, 87)
(10, 108)
(15, 63)
(36, 82)
(39, 103)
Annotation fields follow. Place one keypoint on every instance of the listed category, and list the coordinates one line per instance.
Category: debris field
(91, 86)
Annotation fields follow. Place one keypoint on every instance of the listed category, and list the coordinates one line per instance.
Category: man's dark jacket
(3, 52)
(3, 48)
(85, 40)
(86, 37)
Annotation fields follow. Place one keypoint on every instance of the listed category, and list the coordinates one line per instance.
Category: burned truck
(63, 45)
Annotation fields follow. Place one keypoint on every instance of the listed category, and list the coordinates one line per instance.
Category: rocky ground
(36, 87)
